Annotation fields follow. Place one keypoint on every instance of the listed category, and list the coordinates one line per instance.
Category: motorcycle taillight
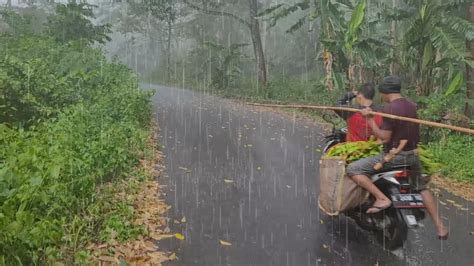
(402, 175)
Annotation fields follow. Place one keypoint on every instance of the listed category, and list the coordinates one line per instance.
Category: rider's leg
(430, 204)
(381, 201)
(360, 171)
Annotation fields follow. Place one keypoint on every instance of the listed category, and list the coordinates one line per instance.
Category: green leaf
(55, 170)
(427, 54)
(357, 16)
(455, 85)
(36, 181)
(269, 10)
(449, 44)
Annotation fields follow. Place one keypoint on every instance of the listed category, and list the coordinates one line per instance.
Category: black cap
(390, 84)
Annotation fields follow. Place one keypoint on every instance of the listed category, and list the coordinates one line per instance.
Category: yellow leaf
(172, 256)
(224, 243)
(179, 236)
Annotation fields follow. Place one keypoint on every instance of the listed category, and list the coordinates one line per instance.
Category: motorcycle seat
(401, 167)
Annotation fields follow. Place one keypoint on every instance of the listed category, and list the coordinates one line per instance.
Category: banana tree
(349, 37)
(434, 45)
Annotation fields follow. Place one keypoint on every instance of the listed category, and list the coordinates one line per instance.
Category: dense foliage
(70, 121)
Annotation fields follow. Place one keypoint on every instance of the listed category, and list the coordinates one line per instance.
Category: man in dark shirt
(357, 127)
(400, 140)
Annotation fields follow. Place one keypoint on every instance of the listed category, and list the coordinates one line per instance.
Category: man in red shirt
(357, 127)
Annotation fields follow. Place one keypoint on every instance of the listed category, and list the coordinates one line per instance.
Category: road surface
(243, 184)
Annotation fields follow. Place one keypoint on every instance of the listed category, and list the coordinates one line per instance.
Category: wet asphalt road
(249, 178)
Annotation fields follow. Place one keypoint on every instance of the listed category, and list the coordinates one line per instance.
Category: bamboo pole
(354, 110)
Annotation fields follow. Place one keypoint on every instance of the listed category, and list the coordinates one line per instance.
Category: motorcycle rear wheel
(395, 234)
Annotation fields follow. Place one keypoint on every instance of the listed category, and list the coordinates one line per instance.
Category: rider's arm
(383, 135)
(346, 100)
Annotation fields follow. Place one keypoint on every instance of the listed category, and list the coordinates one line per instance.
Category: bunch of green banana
(353, 151)
(428, 161)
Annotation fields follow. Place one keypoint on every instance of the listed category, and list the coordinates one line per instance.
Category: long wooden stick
(354, 110)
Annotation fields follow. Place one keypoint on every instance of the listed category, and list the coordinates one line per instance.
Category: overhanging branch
(218, 13)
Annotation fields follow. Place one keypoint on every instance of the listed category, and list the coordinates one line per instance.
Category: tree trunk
(257, 44)
(393, 33)
(470, 72)
(168, 51)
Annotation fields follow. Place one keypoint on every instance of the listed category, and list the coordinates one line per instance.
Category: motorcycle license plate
(408, 201)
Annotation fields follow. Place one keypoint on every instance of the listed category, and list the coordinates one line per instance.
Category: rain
(241, 182)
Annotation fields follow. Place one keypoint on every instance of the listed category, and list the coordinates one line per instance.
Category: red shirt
(358, 129)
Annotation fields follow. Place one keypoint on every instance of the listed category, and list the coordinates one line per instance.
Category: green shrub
(455, 153)
(70, 122)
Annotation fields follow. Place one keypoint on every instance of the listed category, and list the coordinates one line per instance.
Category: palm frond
(461, 26)
(449, 44)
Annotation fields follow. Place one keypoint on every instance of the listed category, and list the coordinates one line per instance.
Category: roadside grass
(455, 152)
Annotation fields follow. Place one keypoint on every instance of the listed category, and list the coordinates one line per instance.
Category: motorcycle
(391, 225)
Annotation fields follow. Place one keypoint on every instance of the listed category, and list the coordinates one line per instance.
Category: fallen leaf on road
(107, 258)
(184, 219)
(159, 237)
(179, 236)
(224, 243)
(228, 181)
(150, 245)
(259, 168)
(172, 257)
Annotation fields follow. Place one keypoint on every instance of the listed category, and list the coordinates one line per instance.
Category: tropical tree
(165, 11)
(434, 45)
(470, 71)
(351, 39)
(217, 8)
(72, 22)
